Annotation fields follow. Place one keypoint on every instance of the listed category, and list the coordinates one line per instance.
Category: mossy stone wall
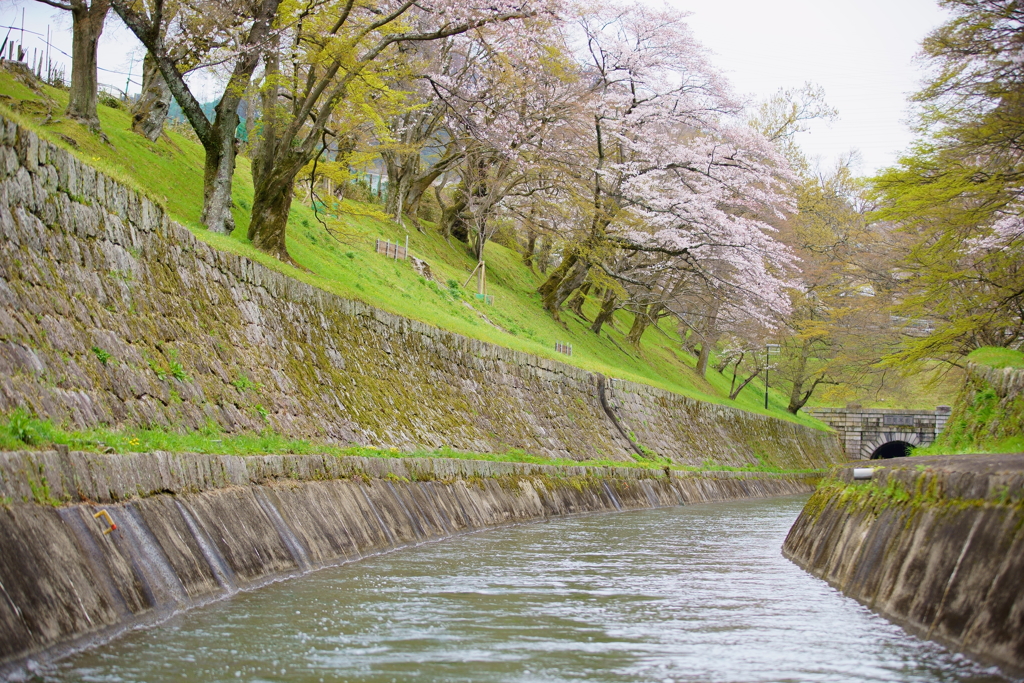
(988, 409)
(112, 314)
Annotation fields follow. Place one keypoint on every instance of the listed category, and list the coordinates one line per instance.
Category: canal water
(697, 593)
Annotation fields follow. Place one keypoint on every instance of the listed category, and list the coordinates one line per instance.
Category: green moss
(40, 488)
(981, 422)
(872, 497)
(20, 431)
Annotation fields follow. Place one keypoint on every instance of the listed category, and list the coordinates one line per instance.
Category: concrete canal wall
(111, 314)
(935, 544)
(191, 529)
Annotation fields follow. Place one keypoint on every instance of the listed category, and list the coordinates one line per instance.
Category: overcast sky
(860, 51)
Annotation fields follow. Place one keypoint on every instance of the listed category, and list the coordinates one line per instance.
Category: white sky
(860, 51)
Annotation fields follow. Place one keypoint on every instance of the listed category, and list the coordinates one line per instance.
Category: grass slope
(997, 357)
(340, 258)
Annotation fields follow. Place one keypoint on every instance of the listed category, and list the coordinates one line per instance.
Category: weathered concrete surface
(112, 314)
(935, 544)
(191, 529)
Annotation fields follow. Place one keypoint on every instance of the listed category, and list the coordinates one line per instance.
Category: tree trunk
(723, 363)
(797, 396)
(578, 299)
(452, 224)
(272, 200)
(702, 359)
(709, 335)
(608, 307)
(218, 138)
(641, 322)
(218, 172)
(736, 392)
(273, 176)
(531, 248)
(87, 25)
(150, 111)
(401, 168)
(689, 336)
(798, 400)
(548, 287)
(569, 275)
(479, 237)
(735, 369)
(639, 326)
(542, 258)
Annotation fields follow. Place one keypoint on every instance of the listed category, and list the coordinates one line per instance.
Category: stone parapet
(862, 431)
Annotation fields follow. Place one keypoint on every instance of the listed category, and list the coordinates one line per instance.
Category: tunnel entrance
(893, 449)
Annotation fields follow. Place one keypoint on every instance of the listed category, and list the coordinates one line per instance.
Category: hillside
(339, 257)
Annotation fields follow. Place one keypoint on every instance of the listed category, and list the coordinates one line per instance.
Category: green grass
(997, 357)
(1013, 444)
(20, 431)
(340, 258)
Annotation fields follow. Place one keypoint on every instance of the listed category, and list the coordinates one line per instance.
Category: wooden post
(466, 283)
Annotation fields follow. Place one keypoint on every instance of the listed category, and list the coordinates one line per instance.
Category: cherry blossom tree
(416, 145)
(513, 115)
(668, 174)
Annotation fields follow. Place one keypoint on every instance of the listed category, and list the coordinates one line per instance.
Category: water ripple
(690, 594)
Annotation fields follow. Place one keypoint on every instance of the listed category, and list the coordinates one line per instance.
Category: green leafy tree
(839, 326)
(960, 190)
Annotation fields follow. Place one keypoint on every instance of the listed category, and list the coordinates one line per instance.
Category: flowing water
(697, 593)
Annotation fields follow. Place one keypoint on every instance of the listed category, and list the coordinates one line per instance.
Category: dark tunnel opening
(893, 449)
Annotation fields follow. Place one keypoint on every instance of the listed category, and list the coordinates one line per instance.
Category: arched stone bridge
(872, 433)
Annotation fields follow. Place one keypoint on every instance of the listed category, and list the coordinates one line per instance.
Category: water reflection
(686, 594)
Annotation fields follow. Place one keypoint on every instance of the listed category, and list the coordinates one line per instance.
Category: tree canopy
(959, 190)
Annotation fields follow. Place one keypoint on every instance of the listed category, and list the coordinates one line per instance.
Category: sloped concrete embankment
(935, 544)
(193, 528)
(111, 314)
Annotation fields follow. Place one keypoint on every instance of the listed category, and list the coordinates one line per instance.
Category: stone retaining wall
(935, 544)
(111, 314)
(988, 409)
